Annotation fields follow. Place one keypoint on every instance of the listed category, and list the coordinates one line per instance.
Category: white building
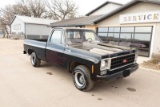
(31, 28)
(135, 24)
(104, 8)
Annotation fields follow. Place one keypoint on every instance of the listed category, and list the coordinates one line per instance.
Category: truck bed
(39, 46)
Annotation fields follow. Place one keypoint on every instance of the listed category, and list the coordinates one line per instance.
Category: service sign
(153, 16)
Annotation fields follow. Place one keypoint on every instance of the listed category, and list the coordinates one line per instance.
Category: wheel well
(73, 65)
(30, 51)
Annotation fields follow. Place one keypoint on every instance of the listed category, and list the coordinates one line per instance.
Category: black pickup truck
(82, 53)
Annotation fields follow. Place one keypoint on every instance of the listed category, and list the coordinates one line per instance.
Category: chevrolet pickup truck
(82, 53)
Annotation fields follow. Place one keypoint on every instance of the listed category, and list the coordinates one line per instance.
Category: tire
(82, 78)
(35, 61)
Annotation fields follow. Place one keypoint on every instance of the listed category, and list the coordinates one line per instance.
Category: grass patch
(154, 63)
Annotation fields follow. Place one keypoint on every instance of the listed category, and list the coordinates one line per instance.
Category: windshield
(80, 36)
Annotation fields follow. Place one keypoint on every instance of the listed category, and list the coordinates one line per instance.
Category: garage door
(138, 37)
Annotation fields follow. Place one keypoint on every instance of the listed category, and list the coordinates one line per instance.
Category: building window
(103, 30)
(143, 29)
(138, 37)
(125, 39)
(142, 42)
(102, 33)
(127, 29)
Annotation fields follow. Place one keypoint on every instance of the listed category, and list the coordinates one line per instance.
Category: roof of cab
(70, 28)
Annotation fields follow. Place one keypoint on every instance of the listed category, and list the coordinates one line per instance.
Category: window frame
(62, 38)
(132, 34)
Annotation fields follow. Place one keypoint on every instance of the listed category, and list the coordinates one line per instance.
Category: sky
(84, 6)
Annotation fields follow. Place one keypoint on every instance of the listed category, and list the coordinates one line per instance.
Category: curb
(153, 70)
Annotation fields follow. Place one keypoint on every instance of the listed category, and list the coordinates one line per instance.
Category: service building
(135, 24)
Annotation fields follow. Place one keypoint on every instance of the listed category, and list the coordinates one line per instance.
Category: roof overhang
(92, 20)
(77, 22)
(12, 19)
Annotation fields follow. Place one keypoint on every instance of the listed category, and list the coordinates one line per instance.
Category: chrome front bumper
(122, 73)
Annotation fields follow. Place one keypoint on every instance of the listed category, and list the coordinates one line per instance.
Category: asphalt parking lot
(22, 85)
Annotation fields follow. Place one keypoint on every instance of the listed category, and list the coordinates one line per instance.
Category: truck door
(55, 48)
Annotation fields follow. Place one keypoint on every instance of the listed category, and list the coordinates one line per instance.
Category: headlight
(104, 64)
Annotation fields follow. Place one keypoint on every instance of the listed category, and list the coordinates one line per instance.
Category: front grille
(119, 69)
(119, 61)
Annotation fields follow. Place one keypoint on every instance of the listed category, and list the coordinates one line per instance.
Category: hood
(100, 48)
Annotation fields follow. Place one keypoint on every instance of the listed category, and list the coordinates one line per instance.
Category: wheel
(82, 78)
(35, 61)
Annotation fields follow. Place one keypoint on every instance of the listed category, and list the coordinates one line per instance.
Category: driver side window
(56, 37)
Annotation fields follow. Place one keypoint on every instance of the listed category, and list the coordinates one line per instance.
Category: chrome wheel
(80, 79)
(33, 60)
